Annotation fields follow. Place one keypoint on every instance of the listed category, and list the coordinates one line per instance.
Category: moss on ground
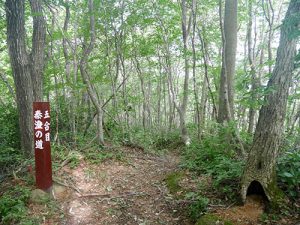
(172, 180)
(210, 219)
(278, 198)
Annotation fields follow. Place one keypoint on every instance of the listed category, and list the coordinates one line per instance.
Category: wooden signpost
(42, 147)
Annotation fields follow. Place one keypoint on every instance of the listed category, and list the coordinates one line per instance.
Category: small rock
(58, 191)
(38, 196)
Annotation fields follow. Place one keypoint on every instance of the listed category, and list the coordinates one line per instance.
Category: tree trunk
(27, 68)
(85, 76)
(198, 114)
(254, 77)
(183, 107)
(229, 36)
(206, 81)
(260, 166)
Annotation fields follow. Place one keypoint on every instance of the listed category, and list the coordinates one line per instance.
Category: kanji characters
(38, 134)
(47, 126)
(41, 128)
(38, 115)
(38, 125)
(46, 116)
(47, 136)
(39, 144)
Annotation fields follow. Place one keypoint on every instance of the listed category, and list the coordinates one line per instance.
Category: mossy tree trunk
(261, 163)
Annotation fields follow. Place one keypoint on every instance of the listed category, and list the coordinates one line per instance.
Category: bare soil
(131, 191)
(248, 214)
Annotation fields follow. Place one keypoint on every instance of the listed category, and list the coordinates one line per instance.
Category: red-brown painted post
(42, 147)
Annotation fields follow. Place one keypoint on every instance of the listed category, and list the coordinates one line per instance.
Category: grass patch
(172, 181)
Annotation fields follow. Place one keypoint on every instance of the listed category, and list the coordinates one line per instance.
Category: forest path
(127, 191)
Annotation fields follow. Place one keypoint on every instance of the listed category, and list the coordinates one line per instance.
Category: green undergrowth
(150, 140)
(213, 158)
(13, 205)
(288, 172)
(16, 195)
(172, 181)
(93, 154)
(97, 157)
(210, 219)
(197, 203)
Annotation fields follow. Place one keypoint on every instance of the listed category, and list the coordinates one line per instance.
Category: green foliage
(207, 219)
(154, 140)
(289, 173)
(170, 140)
(13, 206)
(10, 153)
(9, 133)
(97, 156)
(9, 157)
(172, 181)
(215, 156)
(74, 161)
(198, 206)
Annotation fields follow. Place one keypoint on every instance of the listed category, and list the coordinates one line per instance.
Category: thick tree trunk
(27, 68)
(260, 166)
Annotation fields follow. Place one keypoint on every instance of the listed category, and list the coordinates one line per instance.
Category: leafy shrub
(163, 140)
(288, 171)
(13, 205)
(9, 157)
(215, 156)
(198, 206)
(96, 156)
(172, 182)
(9, 132)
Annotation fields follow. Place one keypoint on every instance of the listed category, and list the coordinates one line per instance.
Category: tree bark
(27, 68)
(229, 36)
(261, 161)
(183, 107)
(86, 78)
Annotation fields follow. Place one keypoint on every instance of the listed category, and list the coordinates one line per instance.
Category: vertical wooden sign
(42, 147)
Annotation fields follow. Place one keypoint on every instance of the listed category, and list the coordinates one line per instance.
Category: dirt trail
(131, 191)
(248, 214)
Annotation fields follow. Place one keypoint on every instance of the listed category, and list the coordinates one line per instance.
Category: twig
(108, 196)
(66, 185)
(230, 205)
(217, 206)
(147, 158)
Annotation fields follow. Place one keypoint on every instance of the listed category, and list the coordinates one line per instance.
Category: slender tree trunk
(196, 91)
(254, 79)
(183, 107)
(85, 76)
(158, 89)
(229, 34)
(68, 71)
(269, 15)
(260, 166)
(206, 79)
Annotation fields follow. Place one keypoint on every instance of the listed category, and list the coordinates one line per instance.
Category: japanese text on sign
(42, 145)
(41, 128)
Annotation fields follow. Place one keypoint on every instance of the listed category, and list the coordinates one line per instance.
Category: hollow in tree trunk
(261, 163)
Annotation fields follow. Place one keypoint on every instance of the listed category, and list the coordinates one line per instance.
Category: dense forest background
(157, 75)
